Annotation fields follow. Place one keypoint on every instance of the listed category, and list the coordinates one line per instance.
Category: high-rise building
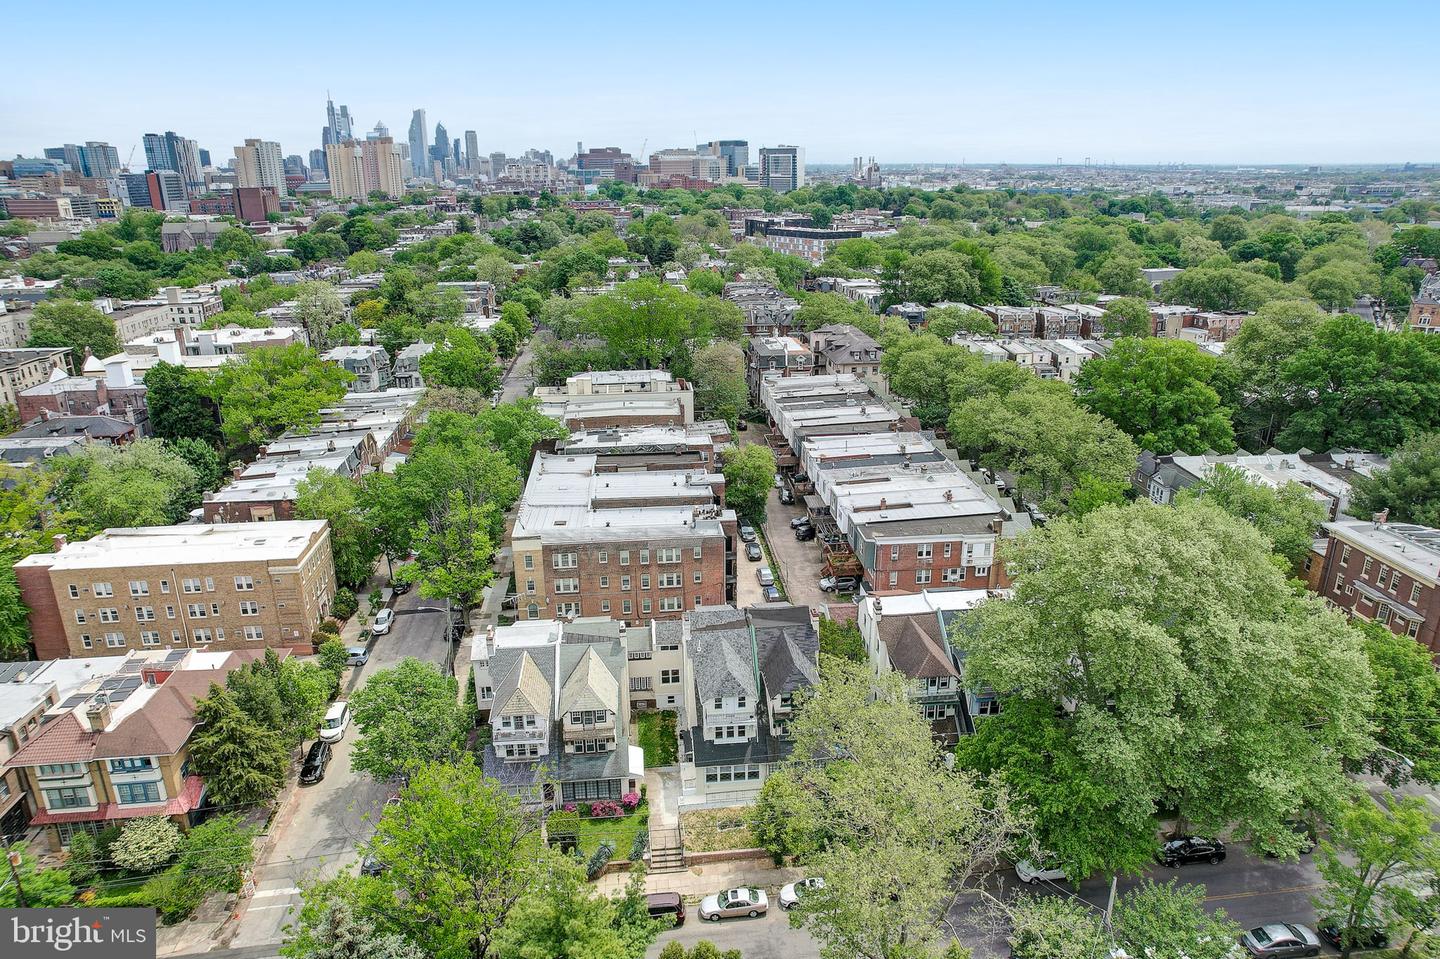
(676, 162)
(381, 167)
(157, 152)
(100, 159)
(155, 190)
(347, 170)
(337, 123)
(317, 160)
(782, 168)
(69, 154)
(419, 143)
(735, 152)
(260, 163)
(171, 151)
(381, 130)
(294, 165)
(204, 158)
(455, 151)
(441, 150)
(472, 151)
(497, 164)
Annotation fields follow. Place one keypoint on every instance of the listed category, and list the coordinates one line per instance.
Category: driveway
(317, 827)
(768, 937)
(796, 563)
(517, 382)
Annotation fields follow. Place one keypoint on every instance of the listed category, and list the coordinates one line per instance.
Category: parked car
(383, 622)
(804, 533)
(787, 497)
(663, 905)
(1045, 870)
(779, 483)
(1281, 940)
(747, 534)
(357, 656)
(315, 762)
(771, 594)
(742, 426)
(734, 902)
(753, 553)
(337, 717)
(401, 587)
(765, 577)
(799, 521)
(1188, 849)
(1361, 937)
(370, 866)
(840, 584)
(791, 892)
(1306, 834)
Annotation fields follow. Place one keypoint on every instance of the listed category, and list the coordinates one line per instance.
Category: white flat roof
(184, 545)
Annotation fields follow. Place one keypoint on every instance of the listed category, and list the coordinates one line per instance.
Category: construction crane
(131, 156)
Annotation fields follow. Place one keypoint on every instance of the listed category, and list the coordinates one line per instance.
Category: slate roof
(591, 686)
(788, 646)
(916, 646)
(523, 690)
(723, 661)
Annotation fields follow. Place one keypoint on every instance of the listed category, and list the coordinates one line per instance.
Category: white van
(332, 727)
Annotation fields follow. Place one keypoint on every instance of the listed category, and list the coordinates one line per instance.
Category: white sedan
(734, 902)
(1045, 871)
(791, 892)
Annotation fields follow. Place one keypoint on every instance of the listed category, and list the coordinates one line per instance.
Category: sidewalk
(702, 880)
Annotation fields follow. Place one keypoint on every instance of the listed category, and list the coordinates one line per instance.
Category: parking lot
(797, 564)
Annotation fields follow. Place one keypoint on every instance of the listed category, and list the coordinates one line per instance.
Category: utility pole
(1110, 905)
(14, 858)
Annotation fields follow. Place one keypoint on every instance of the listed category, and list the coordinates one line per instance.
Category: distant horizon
(1119, 81)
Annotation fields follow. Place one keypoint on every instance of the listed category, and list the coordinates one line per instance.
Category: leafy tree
(75, 326)
(408, 715)
(749, 475)
(288, 696)
(841, 640)
(179, 405)
(904, 835)
(515, 428)
(459, 360)
(242, 762)
(1127, 316)
(705, 282)
(517, 317)
(823, 309)
(1406, 714)
(361, 262)
(217, 852)
(454, 545)
(1170, 921)
(563, 918)
(1090, 494)
(140, 484)
(1158, 391)
(318, 308)
(946, 321)
(1372, 853)
(719, 382)
(333, 659)
(1209, 287)
(1053, 927)
(44, 888)
(203, 459)
(1287, 688)
(1229, 229)
(274, 388)
(1263, 392)
(643, 322)
(1288, 516)
(326, 495)
(1409, 487)
(123, 282)
(146, 844)
(334, 930)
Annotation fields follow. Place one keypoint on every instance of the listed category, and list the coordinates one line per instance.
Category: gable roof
(916, 646)
(591, 685)
(724, 662)
(523, 690)
(788, 647)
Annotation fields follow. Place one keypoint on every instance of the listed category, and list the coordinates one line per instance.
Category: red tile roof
(188, 799)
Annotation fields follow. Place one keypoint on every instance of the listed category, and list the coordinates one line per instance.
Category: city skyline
(1126, 84)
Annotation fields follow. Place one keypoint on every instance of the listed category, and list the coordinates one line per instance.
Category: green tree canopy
(273, 389)
(75, 326)
(408, 715)
(1409, 487)
(325, 495)
(1158, 391)
(242, 761)
(749, 477)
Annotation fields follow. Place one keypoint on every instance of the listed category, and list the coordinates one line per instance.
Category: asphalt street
(317, 827)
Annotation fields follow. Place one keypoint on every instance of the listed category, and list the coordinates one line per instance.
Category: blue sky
(1221, 81)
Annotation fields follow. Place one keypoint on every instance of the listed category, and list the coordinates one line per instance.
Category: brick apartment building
(605, 399)
(1387, 573)
(223, 586)
(632, 546)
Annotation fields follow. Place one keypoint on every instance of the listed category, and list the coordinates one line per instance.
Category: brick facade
(1385, 573)
(632, 581)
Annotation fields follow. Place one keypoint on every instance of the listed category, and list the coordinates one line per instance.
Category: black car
(753, 553)
(1362, 937)
(799, 521)
(370, 866)
(803, 533)
(1188, 849)
(315, 762)
(400, 588)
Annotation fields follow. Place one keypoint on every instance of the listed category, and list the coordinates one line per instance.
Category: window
(749, 772)
(62, 770)
(139, 587)
(109, 614)
(604, 605)
(602, 557)
(567, 585)
(951, 574)
(1414, 629)
(1414, 594)
(169, 612)
(668, 555)
(604, 582)
(669, 676)
(894, 578)
(74, 591)
(209, 584)
(144, 614)
(565, 560)
(625, 607)
(252, 632)
(70, 797)
(196, 610)
(529, 561)
(670, 604)
(948, 548)
(1365, 569)
(175, 636)
(925, 551)
(935, 684)
(625, 583)
(80, 616)
(131, 793)
(696, 553)
(532, 611)
(987, 706)
(244, 583)
(247, 608)
(698, 577)
(982, 571)
(190, 585)
(1394, 581)
(164, 586)
(133, 765)
(567, 609)
(922, 577)
(894, 553)
(102, 589)
(645, 557)
(934, 711)
(203, 636)
(115, 640)
(644, 605)
(85, 641)
(624, 557)
(1344, 555)
(644, 580)
(150, 637)
(669, 580)
(214, 609)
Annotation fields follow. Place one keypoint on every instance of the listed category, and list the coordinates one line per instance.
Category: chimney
(117, 374)
(169, 351)
(172, 294)
(97, 714)
(59, 541)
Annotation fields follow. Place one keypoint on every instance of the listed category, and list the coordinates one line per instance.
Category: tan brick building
(222, 586)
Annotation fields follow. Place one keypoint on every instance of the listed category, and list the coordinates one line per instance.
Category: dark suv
(315, 762)
(1188, 849)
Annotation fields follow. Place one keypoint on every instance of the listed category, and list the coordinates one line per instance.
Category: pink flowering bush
(630, 800)
(606, 809)
(569, 807)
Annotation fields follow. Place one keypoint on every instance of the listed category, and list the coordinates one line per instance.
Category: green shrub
(84, 863)
(599, 859)
(174, 895)
(146, 844)
(641, 843)
(121, 900)
(344, 605)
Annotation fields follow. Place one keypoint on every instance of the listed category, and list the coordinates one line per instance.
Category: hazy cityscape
(447, 512)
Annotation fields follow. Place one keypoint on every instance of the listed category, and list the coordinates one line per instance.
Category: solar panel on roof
(73, 701)
(175, 655)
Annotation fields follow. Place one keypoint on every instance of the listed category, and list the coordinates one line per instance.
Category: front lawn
(620, 831)
(715, 830)
(655, 733)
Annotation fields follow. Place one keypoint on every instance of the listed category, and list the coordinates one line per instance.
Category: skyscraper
(472, 151)
(204, 159)
(735, 152)
(69, 154)
(174, 152)
(317, 161)
(100, 159)
(337, 122)
(347, 170)
(260, 163)
(441, 149)
(381, 167)
(419, 143)
(294, 165)
(782, 168)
